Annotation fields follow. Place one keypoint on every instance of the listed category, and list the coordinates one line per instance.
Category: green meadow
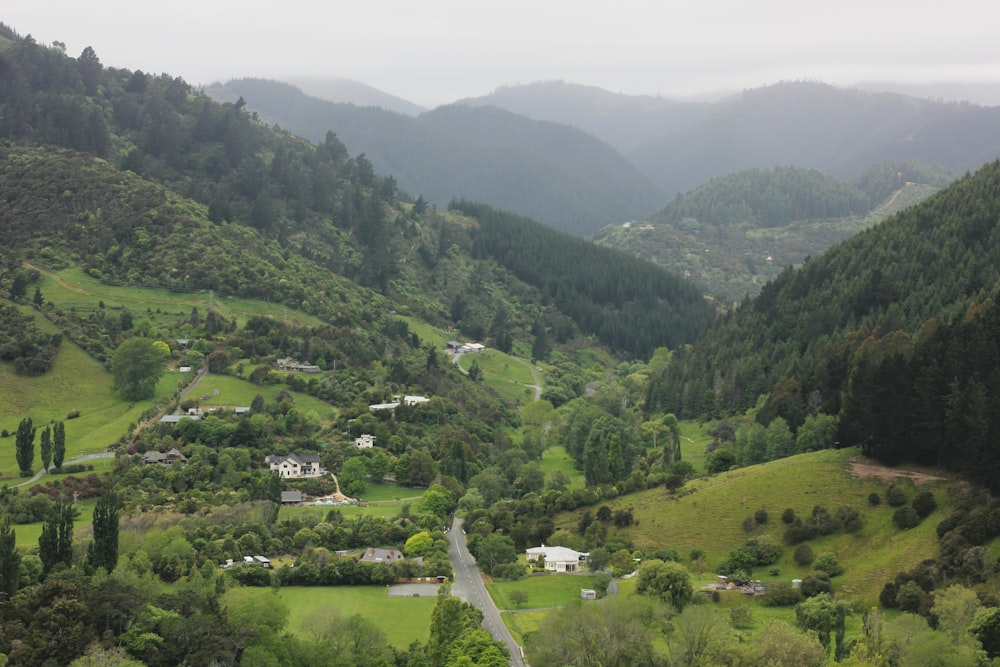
(555, 458)
(543, 590)
(402, 619)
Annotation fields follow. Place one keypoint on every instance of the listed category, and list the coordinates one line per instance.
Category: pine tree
(10, 559)
(58, 444)
(55, 545)
(25, 446)
(46, 446)
(103, 551)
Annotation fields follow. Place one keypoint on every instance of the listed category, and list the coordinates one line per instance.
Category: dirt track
(865, 468)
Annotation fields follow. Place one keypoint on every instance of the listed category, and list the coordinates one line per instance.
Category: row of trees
(52, 445)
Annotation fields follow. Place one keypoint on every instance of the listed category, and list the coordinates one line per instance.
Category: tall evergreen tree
(103, 551)
(55, 545)
(58, 444)
(25, 446)
(10, 559)
(46, 447)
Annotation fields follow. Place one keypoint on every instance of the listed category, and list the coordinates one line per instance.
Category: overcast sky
(435, 51)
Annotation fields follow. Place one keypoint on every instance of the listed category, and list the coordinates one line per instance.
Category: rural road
(82, 459)
(469, 587)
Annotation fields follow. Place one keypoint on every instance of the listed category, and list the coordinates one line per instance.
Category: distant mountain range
(553, 173)
(579, 157)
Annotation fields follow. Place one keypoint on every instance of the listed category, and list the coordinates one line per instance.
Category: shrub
(887, 598)
(803, 555)
(4, 433)
(781, 594)
(910, 597)
(788, 516)
(895, 495)
(760, 516)
(874, 499)
(850, 519)
(828, 563)
(906, 518)
(748, 524)
(741, 617)
(73, 414)
(765, 550)
(816, 582)
(924, 504)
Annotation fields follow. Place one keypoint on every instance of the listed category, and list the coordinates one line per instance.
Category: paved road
(469, 587)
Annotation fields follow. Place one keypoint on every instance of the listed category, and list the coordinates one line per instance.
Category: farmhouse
(295, 466)
(164, 459)
(557, 559)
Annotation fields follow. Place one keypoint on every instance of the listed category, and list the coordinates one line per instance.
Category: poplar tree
(58, 444)
(25, 446)
(103, 551)
(46, 447)
(10, 559)
(55, 545)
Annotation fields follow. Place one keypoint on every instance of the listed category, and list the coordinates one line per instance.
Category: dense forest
(632, 305)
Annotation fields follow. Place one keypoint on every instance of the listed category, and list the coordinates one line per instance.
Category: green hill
(829, 478)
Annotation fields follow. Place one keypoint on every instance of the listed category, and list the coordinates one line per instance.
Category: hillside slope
(818, 336)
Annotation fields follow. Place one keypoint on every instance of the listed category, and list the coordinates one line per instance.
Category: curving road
(469, 587)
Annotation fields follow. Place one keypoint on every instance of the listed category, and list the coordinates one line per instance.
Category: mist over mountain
(553, 173)
(349, 91)
(624, 121)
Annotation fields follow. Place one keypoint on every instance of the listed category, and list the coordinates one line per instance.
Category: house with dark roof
(291, 497)
(167, 458)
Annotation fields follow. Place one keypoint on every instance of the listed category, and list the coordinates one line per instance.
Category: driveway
(469, 587)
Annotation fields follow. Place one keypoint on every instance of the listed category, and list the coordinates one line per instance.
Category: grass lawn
(544, 590)
(555, 458)
(403, 620)
(385, 501)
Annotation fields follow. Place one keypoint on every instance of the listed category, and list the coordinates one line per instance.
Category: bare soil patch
(866, 469)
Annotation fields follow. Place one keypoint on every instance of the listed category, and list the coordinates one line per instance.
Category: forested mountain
(907, 301)
(814, 125)
(552, 173)
(626, 122)
(739, 231)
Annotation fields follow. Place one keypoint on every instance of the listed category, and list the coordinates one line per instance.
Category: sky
(433, 52)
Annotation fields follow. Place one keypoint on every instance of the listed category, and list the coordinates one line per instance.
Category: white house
(364, 441)
(295, 466)
(414, 400)
(557, 559)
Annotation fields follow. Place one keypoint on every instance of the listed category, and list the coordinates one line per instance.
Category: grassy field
(544, 590)
(555, 458)
(403, 620)
(507, 375)
(75, 382)
(228, 391)
(28, 533)
(802, 482)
